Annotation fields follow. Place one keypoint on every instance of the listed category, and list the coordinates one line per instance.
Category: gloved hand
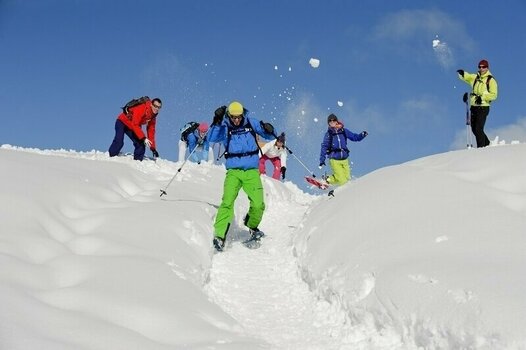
(321, 165)
(478, 100)
(219, 114)
(364, 133)
(269, 129)
(461, 72)
(147, 142)
(283, 170)
(155, 153)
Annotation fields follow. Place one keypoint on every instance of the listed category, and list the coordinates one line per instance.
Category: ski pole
(218, 152)
(179, 170)
(469, 140)
(290, 151)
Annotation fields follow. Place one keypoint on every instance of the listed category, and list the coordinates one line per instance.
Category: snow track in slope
(263, 290)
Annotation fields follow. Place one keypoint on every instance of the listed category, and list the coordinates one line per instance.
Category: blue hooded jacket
(334, 144)
(194, 141)
(243, 151)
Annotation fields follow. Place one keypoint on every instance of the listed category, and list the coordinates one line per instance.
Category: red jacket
(137, 117)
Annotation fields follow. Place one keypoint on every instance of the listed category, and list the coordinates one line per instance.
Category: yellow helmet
(235, 109)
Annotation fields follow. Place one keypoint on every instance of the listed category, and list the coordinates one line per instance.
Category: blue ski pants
(118, 141)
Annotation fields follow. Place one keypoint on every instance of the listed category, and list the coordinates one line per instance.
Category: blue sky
(68, 66)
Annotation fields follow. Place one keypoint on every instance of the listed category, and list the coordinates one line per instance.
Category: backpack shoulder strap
(487, 81)
(480, 78)
(248, 127)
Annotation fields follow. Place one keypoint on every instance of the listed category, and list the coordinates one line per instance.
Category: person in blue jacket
(238, 132)
(199, 139)
(334, 146)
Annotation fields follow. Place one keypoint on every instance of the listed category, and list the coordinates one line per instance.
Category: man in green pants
(238, 132)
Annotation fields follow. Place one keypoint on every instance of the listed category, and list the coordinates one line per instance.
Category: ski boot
(219, 243)
(324, 183)
(255, 234)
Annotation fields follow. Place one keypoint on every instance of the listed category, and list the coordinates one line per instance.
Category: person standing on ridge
(334, 146)
(130, 122)
(484, 91)
(238, 132)
(277, 154)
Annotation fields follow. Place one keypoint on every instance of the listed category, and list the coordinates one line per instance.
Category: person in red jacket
(131, 125)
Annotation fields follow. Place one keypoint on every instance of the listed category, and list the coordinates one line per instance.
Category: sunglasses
(332, 120)
(156, 106)
(482, 67)
(236, 117)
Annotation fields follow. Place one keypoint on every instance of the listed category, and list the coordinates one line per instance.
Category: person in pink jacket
(131, 123)
(276, 152)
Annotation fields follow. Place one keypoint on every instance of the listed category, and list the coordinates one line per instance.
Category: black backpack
(134, 102)
(187, 129)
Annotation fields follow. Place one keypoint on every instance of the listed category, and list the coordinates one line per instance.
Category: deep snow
(428, 254)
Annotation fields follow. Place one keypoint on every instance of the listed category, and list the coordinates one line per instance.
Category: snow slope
(428, 254)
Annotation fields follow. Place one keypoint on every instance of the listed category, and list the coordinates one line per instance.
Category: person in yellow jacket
(484, 91)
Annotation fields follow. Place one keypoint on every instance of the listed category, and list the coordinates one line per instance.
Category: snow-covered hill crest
(434, 247)
(427, 254)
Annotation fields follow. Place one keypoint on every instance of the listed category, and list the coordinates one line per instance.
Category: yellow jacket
(480, 88)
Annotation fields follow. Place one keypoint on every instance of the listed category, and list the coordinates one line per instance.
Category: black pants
(478, 120)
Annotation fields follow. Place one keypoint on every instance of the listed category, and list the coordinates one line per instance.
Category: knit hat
(331, 117)
(281, 138)
(484, 63)
(203, 127)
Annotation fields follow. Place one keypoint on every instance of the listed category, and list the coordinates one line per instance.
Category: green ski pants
(236, 179)
(341, 171)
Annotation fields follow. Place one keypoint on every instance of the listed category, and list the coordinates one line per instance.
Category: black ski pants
(478, 120)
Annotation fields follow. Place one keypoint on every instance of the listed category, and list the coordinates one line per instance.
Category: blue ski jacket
(242, 151)
(334, 144)
(194, 140)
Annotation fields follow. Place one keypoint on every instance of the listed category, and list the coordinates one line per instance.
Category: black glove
(461, 72)
(478, 100)
(269, 129)
(155, 153)
(283, 170)
(364, 133)
(219, 114)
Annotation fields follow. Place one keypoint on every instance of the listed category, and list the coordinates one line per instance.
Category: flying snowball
(315, 120)
(314, 62)
(275, 67)
(340, 103)
(443, 53)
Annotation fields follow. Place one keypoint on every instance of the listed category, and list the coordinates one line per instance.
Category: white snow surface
(429, 254)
